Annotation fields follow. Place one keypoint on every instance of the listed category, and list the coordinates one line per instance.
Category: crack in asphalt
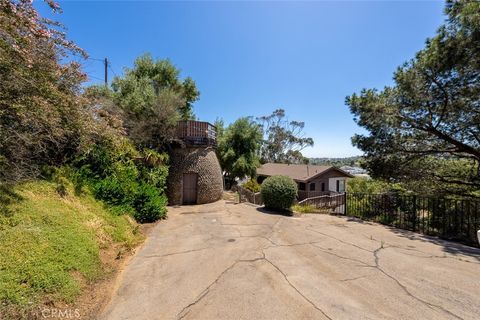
(426, 255)
(352, 279)
(315, 243)
(184, 312)
(405, 289)
(176, 253)
(274, 244)
(377, 266)
(340, 240)
(375, 255)
(296, 289)
(325, 250)
(432, 256)
(246, 224)
(261, 237)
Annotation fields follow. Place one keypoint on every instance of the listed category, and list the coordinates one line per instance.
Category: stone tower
(195, 175)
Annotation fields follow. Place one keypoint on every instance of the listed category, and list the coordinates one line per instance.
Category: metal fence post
(414, 204)
(345, 203)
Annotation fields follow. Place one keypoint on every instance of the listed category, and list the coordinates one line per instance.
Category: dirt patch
(97, 295)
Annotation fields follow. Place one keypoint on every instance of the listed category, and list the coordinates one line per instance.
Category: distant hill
(337, 162)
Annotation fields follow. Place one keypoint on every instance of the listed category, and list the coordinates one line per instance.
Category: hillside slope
(52, 246)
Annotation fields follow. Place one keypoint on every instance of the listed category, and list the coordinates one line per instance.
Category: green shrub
(115, 191)
(156, 176)
(7, 197)
(279, 192)
(252, 185)
(132, 182)
(149, 204)
(366, 185)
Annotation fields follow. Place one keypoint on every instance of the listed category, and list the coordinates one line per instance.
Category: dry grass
(308, 208)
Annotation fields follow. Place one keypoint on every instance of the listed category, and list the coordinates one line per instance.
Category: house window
(312, 186)
(323, 186)
(301, 186)
(340, 185)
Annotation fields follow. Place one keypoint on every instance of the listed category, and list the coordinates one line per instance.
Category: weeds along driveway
(233, 261)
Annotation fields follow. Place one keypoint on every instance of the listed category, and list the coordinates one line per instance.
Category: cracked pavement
(236, 261)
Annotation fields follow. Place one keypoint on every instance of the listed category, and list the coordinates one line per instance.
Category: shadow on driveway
(285, 213)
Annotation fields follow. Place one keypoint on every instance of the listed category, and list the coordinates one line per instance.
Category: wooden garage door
(190, 188)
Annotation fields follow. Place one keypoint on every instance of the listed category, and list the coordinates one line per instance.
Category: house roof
(299, 172)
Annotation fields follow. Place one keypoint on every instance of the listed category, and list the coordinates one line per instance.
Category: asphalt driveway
(233, 261)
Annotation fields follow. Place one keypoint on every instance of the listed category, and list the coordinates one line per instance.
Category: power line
(111, 69)
(106, 65)
(102, 60)
(105, 62)
(97, 78)
(106, 71)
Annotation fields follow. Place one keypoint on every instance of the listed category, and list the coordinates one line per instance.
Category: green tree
(283, 140)
(427, 125)
(42, 117)
(138, 90)
(150, 99)
(238, 146)
(365, 185)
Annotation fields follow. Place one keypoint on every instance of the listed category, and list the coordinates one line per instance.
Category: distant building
(312, 180)
(355, 171)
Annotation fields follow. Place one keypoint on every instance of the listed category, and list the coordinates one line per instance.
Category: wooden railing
(197, 133)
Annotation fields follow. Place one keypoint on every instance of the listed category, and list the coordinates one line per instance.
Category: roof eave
(330, 169)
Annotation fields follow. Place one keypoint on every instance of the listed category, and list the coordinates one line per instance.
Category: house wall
(332, 183)
(202, 161)
(329, 178)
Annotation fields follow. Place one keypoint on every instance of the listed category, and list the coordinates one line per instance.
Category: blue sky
(249, 58)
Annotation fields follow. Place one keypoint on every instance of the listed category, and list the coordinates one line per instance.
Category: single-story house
(312, 180)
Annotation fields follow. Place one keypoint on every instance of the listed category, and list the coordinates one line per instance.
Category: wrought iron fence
(452, 219)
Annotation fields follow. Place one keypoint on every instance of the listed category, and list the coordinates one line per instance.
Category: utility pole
(106, 71)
